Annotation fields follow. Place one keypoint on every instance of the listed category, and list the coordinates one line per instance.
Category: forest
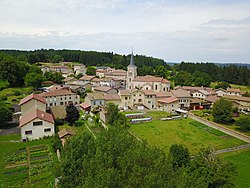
(185, 73)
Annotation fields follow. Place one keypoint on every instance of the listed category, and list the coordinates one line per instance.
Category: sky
(173, 30)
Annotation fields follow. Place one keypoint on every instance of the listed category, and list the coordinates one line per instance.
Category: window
(172, 105)
(51, 104)
(134, 95)
(47, 130)
(164, 89)
(139, 95)
(146, 88)
(36, 123)
(126, 98)
(61, 98)
(69, 97)
(61, 103)
(156, 87)
(149, 102)
(130, 79)
(65, 103)
(28, 132)
(139, 100)
(65, 98)
(94, 103)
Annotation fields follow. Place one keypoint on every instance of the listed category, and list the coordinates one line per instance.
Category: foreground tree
(222, 111)
(179, 155)
(113, 159)
(72, 114)
(207, 170)
(116, 159)
(5, 114)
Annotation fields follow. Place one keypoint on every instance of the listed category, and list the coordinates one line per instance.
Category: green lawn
(190, 133)
(241, 87)
(8, 148)
(241, 159)
(158, 114)
(10, 93)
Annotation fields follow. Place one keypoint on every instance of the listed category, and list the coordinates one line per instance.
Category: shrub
(57, 144)
(3, 98)
(244, 123)
(17, 93)
(59, 121)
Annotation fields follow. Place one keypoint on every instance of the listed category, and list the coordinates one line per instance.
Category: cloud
(173, 30)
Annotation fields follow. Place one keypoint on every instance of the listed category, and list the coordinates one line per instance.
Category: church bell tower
(131, 72)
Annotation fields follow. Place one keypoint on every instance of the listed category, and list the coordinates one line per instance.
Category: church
(148, 82)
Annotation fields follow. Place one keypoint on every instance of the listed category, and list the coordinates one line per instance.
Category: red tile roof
(149, 78)
(233, 90)
(212, 98)
(85, 105)
(163, 94)
(148, 92)
(32, 96)
(57, 93)
(168, 100)
(103, 88)
(112, 97)
(85, 77)
(36, 114)
(124, 92)
(179, 93)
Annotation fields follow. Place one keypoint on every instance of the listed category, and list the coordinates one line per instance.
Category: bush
(59, 121)
(17, 93)
(3, 98)
(57, 144)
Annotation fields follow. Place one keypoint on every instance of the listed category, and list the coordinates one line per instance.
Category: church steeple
(132, 61)
(131, 73)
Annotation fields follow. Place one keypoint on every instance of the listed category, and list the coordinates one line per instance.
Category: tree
(161, 71)
(201, 79)
(222, 111)
(244, 123)
(4, 84)
(183, 79)
(113, 159)
(55, 77)
(35, 69)
(79, 76)
(5, 114)
(223, 85)
(90, 70)
(114, 118)
(179, 155)
(57, 59)
(207, 170)
(34, 80)
(13, 71)
(72, 114)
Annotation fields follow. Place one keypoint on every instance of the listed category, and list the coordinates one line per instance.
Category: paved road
(221, 128)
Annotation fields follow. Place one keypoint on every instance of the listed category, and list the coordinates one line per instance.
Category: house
(243, 103)
(76, 89)
(202, 94)
(36, 124)
(31, 103)
(233, 91)
(105, 89)
(79, 69)
(86, 106)
(113, 98)
(61, 98)
(183, 96)
(96, 99)
(169, 104)
(58, 112)
(65, 134)
(85, 79)
(220, 92)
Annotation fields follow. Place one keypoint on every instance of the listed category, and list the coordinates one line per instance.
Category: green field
(241, 87)
(241, 159)
(190, 133)
(14, 153)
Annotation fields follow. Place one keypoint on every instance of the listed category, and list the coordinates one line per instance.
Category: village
(123, 88)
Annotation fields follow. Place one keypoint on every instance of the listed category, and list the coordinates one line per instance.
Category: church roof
(132, 61)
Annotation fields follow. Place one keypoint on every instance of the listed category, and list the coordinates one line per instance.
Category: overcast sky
(174, 30)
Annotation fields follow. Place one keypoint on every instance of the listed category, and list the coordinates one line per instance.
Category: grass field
(232, 126)
(13, 153)
(241, 87)
(190, 133)
(241, 159)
